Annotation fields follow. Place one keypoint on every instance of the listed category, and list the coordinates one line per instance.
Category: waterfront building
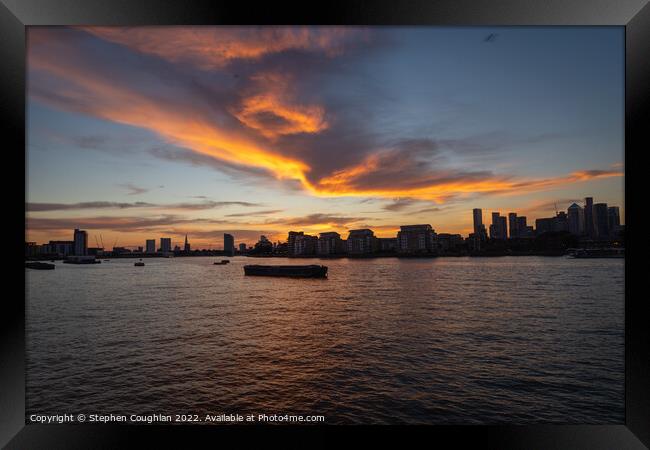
(242, 248)
(513, 225)
(601, 220)
(477, 214)
(614, 219)
(523, 230)
(413, 239)
(330, 243)
(291, 241)
(387, 244)
(449, 242)
(589, 216)
(362, 242)
(499, 227)
(165, 245)
(305, 244)
(186, 246)
(80, 242)
(229, 244)
(60, 248)
(150, 246)
(576, 219)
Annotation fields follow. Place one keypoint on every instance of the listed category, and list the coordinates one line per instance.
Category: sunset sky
(139, 133)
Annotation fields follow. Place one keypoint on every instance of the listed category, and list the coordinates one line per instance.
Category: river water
(387, 340)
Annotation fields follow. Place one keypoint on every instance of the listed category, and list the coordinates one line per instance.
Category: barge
(310, 271)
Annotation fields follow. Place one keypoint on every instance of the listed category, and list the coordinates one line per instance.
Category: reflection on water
(447, 340)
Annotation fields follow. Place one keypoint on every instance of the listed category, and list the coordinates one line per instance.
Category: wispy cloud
(208, 204)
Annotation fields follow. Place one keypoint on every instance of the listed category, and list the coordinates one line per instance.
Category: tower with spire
(186, 248)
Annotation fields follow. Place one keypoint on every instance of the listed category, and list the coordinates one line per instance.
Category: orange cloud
(215, 47)
(271, 112)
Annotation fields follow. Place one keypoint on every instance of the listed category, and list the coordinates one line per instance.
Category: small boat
(81, 260)
(310, 271)
(139, 264)
(39, 265)
(223, 261)
(596, 253)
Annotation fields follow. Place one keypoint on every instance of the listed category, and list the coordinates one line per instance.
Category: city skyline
(144, 132)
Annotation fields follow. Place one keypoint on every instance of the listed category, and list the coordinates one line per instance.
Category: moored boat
(597, 253)
(222, 262)
(39, 265)
(309, 271)
(139, 264)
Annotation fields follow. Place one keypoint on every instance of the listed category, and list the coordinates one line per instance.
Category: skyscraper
(150, 246)
(165, 245)
(614, 219)
(80, 242)
(291, 241)
(478, 220)
(589, 216)
(228, 244)
(576, 219)
(513, 225)
(601, 220)
(499, 227)
(186, 247)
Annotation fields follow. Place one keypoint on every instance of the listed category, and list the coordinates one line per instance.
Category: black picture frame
(634, 15)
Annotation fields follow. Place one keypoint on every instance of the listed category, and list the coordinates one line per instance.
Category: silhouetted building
(361, 242)
(228, 244)
(589, 216)
(576, 220)
(561, 222)
(513, 225)
(499, 227)
(449, 242)
(61, 248)
(165, 245)
(544, 225)
(523, 230)
(304, 245)
(291, 241)
(330, 243)
(186, 246)
(614, 219)
(150, 246)
(242, 248)
(416, 239)
(477, 215)
(601, 220)
(387, 244)
(80, 242)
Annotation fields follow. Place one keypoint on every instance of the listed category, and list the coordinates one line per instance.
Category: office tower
(150, 246)
(186, 247)
(589, 216)
(362, 241)
(165, 245)
(576, 219)
(478, 220)
(614, 219)
(512, 225)
(416, 239)
(544, 225)
(601, 220)
(80, 242)
(499, 227)
(561, 222)
(228, 244)
(242, 248)
(522, 227)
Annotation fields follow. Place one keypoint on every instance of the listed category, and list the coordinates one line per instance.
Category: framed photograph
(381, 217)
